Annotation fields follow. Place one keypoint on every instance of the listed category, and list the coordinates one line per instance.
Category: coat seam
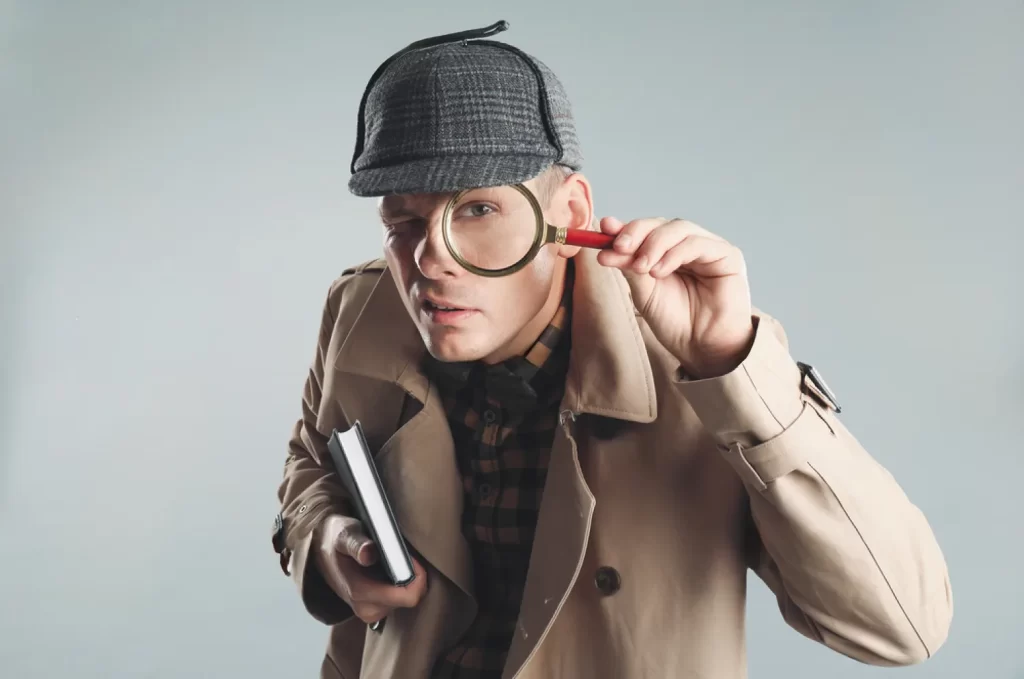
(753, 385)
(874, 559)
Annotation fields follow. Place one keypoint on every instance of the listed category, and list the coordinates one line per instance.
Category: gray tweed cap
(458, 111)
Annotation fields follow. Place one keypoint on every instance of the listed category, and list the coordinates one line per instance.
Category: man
(585, 456)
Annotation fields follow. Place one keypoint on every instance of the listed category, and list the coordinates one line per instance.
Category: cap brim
(447, 173)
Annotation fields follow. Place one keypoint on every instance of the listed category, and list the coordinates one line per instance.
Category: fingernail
(641, 263)
(624, 241)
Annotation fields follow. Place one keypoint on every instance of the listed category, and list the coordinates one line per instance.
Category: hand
(343, 552)
(690, 286)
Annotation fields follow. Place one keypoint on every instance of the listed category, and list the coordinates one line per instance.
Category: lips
(443, 312)
(434, 306)
(437, 302)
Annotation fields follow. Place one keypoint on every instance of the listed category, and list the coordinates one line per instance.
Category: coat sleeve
(853, 563)
(310, 490)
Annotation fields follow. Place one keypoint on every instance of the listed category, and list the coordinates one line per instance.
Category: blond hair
(550, 180)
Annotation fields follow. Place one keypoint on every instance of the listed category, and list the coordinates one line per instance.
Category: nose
(431, 254)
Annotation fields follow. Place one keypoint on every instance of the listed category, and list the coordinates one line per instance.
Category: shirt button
(484, 491)
(607, 580)
(490, 416)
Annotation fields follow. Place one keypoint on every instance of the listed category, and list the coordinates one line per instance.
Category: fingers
(660, 247)
(651, 249)
(350, 540)
(373, 599)
(611, 225)
(369, 613)
(703, 256)
(364, 589)
(344, 554)
(629, 236)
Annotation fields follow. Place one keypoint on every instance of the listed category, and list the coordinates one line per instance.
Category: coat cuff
(317, 596)
(755, 402)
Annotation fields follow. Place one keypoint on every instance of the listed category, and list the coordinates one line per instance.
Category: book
(355, 466)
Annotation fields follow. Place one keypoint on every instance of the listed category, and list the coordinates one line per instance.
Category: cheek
(542, 268)
(533, 284)
(523, 295)
(401, 273)
(401, 263)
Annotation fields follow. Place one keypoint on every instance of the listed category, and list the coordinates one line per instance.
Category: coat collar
(609, 370)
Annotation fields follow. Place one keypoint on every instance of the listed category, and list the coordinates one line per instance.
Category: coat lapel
(560, 541)
(381, 354)
(609, 375)
(609, 372)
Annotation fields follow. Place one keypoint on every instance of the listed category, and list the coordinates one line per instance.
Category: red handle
(588, 239)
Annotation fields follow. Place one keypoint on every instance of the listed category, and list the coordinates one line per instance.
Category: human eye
(477, 210)
(399, 228)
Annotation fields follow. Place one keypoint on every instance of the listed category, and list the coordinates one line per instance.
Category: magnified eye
(477, 210)
(493, 228)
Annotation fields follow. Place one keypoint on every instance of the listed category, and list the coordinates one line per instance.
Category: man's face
(493, 318)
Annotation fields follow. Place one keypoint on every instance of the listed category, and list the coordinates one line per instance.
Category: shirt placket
(487, 484)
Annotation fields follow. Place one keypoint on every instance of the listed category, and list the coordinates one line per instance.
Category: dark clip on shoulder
(812, 381)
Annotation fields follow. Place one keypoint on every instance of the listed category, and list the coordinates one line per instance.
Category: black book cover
(355, 466)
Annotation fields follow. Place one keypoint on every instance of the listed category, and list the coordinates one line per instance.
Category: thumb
(353, 542)
(641, 288)
(611, 225)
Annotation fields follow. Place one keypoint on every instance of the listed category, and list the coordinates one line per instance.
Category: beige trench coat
(679, 486)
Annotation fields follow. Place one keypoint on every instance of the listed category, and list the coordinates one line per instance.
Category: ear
(576, 204)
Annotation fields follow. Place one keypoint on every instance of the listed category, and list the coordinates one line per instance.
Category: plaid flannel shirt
(503, 420)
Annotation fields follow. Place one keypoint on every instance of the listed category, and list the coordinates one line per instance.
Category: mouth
(444, 313)
(437, 306)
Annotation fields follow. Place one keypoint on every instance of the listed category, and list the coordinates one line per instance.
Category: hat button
(607, 580)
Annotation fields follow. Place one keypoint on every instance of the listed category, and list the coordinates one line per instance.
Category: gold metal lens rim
(539, 236)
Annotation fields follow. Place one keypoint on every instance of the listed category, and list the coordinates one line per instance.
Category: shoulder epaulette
(374, 265)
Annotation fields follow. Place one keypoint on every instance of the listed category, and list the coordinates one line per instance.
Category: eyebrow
(399, 209)
(394, 207)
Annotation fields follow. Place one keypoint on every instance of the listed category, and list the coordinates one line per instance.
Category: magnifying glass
(497, 231)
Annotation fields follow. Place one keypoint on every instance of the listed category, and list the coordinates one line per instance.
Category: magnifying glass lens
(492, 228)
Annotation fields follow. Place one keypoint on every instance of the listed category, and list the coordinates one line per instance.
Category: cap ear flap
(545, 103)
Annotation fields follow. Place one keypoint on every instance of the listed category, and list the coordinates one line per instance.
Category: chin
(455, 354)
(452, 348)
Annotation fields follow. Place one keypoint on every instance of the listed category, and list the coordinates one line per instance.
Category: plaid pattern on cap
(462, 115)
(503, 454)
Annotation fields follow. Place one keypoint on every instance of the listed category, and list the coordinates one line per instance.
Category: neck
(528, 336)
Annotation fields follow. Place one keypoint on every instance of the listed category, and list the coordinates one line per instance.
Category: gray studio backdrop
(173, 208)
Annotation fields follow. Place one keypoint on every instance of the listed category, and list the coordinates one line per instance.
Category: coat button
(607, 580)
(490, 416)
